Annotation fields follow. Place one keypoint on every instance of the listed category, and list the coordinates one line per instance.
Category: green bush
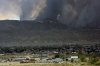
(59, 56)
(83, 59)
(94, 61)
(97, 63)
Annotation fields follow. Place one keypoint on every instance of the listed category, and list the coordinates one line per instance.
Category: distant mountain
(39, 33)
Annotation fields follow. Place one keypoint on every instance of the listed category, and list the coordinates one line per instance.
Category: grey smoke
(73, 13)
(81, 13)
(90, 15)
(26, 9)
(52, 9)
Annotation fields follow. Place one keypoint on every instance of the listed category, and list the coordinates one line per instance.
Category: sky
(9, 9)
(18, 9)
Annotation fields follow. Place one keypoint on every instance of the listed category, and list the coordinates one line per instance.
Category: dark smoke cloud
(52, 9)
(81, 13)
(90, 15)
(73, 13)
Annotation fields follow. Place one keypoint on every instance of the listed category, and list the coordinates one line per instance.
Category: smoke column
(26, 9)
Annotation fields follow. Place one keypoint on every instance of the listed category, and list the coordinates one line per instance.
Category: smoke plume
(26, 9)
(31, 8)
(73, 13)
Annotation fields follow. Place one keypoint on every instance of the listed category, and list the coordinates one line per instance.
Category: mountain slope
(33, 33)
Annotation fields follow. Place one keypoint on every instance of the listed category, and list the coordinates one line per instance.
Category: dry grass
(41, 64)
(33, 64)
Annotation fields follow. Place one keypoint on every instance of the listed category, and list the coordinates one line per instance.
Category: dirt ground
(43, 64)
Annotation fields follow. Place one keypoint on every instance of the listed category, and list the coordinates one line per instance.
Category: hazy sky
(9, 9)
(16, 9)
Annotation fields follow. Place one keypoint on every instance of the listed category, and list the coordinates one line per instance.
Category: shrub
(97, 63)
(94, 61)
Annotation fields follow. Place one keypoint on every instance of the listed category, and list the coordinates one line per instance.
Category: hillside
(32, 33)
